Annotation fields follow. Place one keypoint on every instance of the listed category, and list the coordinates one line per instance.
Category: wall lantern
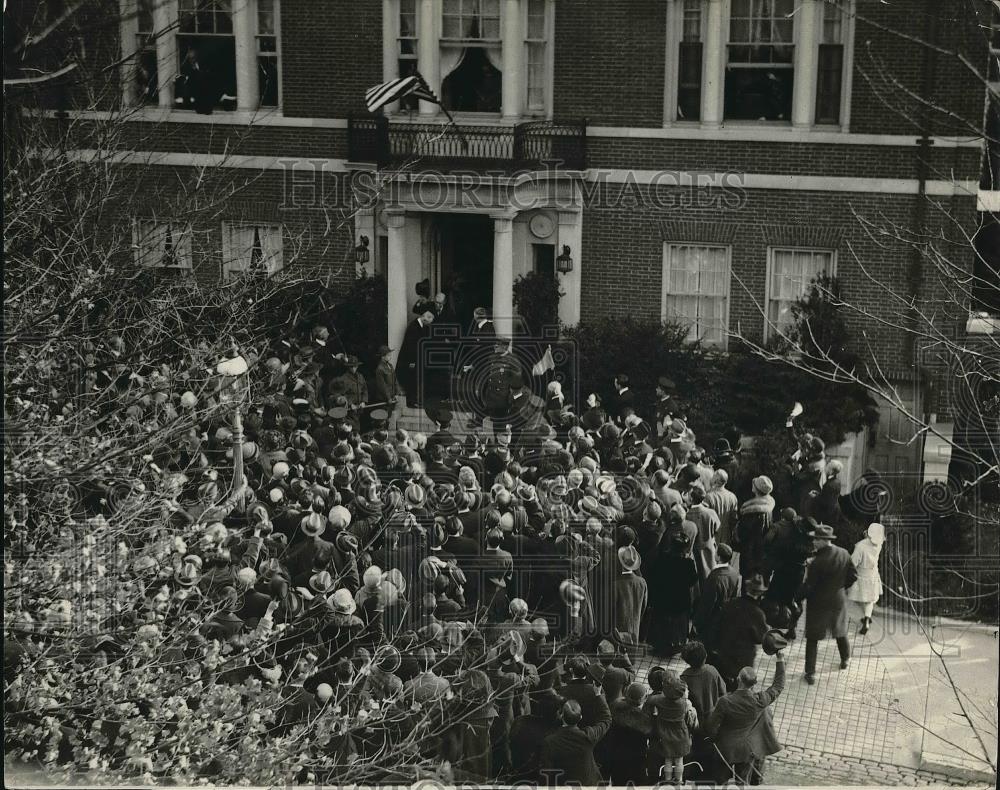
(564, 263)
(361, 254)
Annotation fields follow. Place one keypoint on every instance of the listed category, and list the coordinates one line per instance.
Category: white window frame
(463, 42)
(244, 14)
(673, 21)
(234, 261)
(793, 67)
(769, 330)
(849, 12)
(276, 55)
(390, 55)
(549, 78)
(675, 34)
(669, 251)
(181, 232)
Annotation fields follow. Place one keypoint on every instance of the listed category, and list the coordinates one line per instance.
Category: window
(830, 65)
(689, 55)
(471, 55)
(790, 271)
(407, 47)
(267, 52)
(146, 66)
(536, 56)
(471, 20)
(206, 49)
(696, 290)
(163, 246)
(544, 259)
(250, 249)
(760, 70)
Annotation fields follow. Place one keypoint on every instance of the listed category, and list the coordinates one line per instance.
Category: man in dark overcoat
(409, 357)
(828, 576)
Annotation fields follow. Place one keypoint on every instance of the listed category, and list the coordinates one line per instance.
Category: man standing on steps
(828, 576)
(387, 387)
(409, 357)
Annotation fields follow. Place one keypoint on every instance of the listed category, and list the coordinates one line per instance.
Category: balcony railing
(531, 145)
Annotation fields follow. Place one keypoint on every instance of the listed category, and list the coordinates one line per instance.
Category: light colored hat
(339, 517)
(342, 602)
(876, 533)
(313, 525)
(629, 558)
(763, 485)
(321, 582)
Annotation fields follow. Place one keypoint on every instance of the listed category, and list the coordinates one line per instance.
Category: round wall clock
(541, 225)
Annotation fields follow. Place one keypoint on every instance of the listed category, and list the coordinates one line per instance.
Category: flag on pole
(414, 85)
(396, 89)
(546, 363)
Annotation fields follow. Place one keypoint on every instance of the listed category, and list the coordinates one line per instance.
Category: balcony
(533, 145)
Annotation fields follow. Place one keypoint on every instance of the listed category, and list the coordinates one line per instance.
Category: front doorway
(462, 263)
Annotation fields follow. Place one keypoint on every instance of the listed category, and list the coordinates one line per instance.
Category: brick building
(713, 155)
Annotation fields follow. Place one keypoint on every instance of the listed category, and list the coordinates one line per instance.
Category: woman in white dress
(868, 587)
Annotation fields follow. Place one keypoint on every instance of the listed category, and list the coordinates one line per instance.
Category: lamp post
(235, 387)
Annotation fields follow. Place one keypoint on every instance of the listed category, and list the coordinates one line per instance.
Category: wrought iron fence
(527, 145)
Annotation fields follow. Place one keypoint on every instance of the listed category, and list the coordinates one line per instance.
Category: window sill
(465, 119)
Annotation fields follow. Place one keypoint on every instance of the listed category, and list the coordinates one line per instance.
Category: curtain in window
(791, 273)
(161, 244)
(451, 59)
(697, 287)
(239, 249)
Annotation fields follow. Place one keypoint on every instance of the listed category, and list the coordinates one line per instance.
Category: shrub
(536, 299)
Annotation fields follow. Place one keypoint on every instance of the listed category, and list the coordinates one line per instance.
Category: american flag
(396, 89)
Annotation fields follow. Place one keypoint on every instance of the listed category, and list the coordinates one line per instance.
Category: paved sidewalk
(892, 717)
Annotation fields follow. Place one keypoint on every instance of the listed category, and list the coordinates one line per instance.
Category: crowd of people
(479, 594)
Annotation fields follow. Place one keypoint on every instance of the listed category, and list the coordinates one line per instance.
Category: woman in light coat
(868, 587)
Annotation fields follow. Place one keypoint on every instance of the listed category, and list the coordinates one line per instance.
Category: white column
(428, 52)
(513, 57)
(164, 28)
(390, 55)
(129, 32)
(244, 33)
(713, 71)
(503, 273)
(806, 53)
(571, 235)
(396, 277)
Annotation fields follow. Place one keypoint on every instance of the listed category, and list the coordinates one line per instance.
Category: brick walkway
(843, 729)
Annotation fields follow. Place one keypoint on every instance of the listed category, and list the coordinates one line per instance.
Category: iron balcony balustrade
(532, 145)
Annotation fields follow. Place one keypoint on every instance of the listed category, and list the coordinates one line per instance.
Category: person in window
(194, 85)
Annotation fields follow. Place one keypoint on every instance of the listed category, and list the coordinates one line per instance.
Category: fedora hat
(755, 585)
(629, 558)
(383, 350)
(342, 602)
(313, 525)
(823, 532)
(773, 641)
(321, 582)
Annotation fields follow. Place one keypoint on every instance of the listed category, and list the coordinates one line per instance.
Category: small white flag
(544, 364)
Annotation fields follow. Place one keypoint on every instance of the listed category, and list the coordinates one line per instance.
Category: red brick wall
(609, 61)
(622, 258)
(889, 63)
(331, 53)
(318, 233)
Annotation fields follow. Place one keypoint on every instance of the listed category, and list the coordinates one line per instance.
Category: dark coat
(754, 523)
(409, 356)
(386, 387)
(592, 703)
(705, 688)
(568, 753)
(722, 585)
(741, 723)
(742, 626)
(527, 737)
(623, 749)
(825, 592)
